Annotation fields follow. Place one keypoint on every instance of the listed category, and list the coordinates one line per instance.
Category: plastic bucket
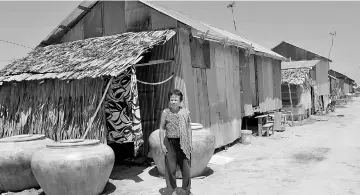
(246, 136)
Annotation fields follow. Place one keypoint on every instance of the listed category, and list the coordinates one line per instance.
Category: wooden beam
(83, 8)
(153, 62)
(64, 27)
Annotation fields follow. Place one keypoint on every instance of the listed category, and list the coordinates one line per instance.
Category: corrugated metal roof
(332, 77)
(197, 25)
(256, 47)
(214, 34)
(232, 38)
(299, 64)
(69, 21)
(284, 42)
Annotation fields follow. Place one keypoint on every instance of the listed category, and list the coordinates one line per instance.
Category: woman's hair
(176, 92)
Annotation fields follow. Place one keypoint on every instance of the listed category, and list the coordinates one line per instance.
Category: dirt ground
(321, 156)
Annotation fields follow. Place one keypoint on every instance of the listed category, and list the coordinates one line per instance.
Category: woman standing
(176, 141)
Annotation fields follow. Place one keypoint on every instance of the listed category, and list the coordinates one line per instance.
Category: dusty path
(318, 158)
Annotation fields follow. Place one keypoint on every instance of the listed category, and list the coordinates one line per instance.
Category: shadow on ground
(168, 191)
(127, 172)
(155, 173)
(109, 188)
(311, 155)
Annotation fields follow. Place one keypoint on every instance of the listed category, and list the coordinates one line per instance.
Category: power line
(16, 44)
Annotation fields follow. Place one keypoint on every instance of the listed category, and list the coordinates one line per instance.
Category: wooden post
(96, 111)
(289, 91)
(260, 127)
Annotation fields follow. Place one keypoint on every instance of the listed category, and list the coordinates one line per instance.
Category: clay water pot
(15, 159)
(73, 167)
(246, 136)
(203, 144)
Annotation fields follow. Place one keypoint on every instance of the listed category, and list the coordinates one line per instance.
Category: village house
(341, 83)
(321, 89)
(147, 50)
(298, 85)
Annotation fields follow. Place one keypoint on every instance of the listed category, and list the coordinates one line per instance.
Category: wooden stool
(267, 127)
(260, 127)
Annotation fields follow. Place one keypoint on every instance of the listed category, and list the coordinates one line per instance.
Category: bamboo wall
(58, 109)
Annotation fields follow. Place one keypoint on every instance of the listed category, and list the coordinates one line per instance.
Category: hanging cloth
(122, 110)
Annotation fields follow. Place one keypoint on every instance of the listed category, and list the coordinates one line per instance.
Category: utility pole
(232, 5)
(333, 34)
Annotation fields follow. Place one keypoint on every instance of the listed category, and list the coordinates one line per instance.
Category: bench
(267, 127)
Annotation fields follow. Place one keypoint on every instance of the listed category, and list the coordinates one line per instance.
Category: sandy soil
(322, 156)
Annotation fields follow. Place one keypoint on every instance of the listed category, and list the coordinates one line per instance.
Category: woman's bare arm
(161, 128)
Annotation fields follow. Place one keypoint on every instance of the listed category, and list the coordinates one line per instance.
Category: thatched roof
(94, 57)
(296, 76)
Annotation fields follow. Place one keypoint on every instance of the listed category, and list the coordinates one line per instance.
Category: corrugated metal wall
(269, 83)
(322, 78)
(154, 98)
(245, 78)
(213, 84)
(346, 88)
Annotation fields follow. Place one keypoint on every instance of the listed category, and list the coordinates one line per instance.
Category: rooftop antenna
(232, 5)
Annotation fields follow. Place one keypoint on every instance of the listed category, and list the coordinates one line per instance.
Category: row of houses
(140, 51)
(340, 84)
(308, 83)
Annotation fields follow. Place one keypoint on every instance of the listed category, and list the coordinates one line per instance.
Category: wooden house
(342, 84)
(298, 85)
(295, 53)
(334, 91)
(223, 76)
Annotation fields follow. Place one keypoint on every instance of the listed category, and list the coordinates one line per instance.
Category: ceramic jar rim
(22, 138)
(196, 126)
(71, 143)
(246, 132)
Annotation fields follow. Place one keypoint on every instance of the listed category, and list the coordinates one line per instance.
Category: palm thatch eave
(89, 58)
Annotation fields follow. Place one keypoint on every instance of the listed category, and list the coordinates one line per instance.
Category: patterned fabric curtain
(122, 110)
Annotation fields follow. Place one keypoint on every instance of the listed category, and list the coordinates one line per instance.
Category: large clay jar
(73, 167)
(203, 144)
(15, 159)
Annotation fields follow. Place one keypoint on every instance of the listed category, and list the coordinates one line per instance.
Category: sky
(306, 24)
